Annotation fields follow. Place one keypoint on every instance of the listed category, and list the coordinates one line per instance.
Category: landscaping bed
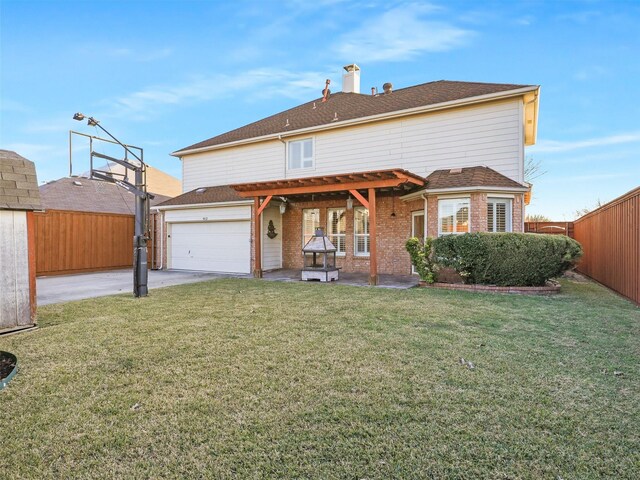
(551, 288)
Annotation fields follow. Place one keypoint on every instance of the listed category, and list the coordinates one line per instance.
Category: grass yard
(255, 379)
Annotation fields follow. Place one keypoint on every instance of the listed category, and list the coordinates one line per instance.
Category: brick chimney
(351, 79)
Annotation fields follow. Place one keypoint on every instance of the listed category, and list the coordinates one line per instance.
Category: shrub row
(503, 259)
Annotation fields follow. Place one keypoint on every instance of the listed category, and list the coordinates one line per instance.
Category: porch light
(283, 208)
(349, 203)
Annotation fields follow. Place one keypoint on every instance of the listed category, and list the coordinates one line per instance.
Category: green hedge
(507, 259)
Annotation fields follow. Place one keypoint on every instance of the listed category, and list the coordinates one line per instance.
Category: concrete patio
(347, 278)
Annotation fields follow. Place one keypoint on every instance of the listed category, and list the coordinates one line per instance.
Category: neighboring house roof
(349, 106)
(157, 181)
(18, 182)
(85, 195)
(218, 194)
(470, 177)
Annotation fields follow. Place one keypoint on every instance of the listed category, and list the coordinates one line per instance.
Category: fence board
(72, 242)
(553, 228)
(610, 238)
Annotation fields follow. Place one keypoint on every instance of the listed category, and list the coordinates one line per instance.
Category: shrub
(422, 258)
(507, 259)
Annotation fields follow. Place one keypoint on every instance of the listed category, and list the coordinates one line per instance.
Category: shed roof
(18, 183)
(351, 106)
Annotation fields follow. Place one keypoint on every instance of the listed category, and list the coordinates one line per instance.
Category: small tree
(422, 258)
(537, 218)
(532, 169)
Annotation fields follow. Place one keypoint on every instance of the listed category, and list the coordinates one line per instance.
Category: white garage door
(211, 246)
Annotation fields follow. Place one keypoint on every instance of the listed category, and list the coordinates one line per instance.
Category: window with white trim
(310, 223)
(453, 216)
(337, 228)
(300, 154)
(361, 231)
(499, 214)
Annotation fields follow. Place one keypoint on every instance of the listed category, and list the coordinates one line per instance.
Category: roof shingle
(469, 177)
(82, 194)
(350, 106)
(18, 182)
(221, 193)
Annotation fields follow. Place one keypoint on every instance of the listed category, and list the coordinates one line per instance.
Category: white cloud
(255, 83)
(400, 33)
(561, 146)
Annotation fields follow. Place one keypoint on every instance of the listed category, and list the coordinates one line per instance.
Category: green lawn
(257, 379)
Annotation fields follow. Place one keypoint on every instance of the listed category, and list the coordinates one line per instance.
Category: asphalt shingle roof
(469, 177)
(89, 196)
(221, 193)
(349, 106)
(18, 182)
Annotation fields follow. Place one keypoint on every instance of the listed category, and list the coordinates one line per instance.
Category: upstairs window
(300, 154)
(499, 215)
(361, 231)
(337, 228)
(453, 216)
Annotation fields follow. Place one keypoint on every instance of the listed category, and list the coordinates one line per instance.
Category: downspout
(426, 223)
(161, 240)
(285, 155)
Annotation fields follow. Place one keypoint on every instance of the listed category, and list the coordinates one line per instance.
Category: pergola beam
(360, 198)
(309, 189)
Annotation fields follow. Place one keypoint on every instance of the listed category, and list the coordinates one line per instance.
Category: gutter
(202, 205)
(372, 118)
(428, 191)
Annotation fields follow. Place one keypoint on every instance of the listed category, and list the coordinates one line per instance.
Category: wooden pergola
(354, 183)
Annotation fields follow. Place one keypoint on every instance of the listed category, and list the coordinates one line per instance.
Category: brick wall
(393, 232)
(478, 213)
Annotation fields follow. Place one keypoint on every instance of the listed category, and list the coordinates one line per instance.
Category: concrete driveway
(64, 288)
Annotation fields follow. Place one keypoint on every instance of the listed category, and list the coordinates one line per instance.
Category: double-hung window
(337, 228)
(453, 216)
(300, 154)
(499, 215)
(310, 222)
(361, 231)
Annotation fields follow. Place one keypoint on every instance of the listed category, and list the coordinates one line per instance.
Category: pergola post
(257, 216)
(373, 247)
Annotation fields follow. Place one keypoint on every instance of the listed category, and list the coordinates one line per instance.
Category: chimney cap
(387, 87)
(352, 68)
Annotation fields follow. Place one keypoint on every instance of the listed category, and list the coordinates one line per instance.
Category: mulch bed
(551, 288)
(7, 364)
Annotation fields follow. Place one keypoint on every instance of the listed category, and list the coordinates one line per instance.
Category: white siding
(213, 214)
(271, 247)
(488, 135)
(15, 309)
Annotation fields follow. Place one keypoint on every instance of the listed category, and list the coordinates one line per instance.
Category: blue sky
(166, 74)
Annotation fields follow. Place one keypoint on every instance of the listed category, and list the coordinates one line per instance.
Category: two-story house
(372, 169)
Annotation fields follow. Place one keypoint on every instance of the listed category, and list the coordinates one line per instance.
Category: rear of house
(372, 170)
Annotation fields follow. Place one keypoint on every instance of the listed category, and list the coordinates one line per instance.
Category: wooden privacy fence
(73, 242)
(558, 228)
(610, 238)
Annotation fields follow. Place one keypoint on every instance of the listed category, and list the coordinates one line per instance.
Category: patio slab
(347, 278)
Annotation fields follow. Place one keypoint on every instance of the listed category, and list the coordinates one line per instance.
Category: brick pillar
(478, 212)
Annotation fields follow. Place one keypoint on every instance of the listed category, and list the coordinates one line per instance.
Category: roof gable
(351, 106)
